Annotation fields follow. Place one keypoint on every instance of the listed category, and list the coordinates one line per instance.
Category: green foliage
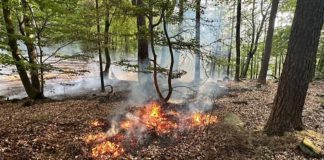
(6, 59)
(288, 5)
(280, 41)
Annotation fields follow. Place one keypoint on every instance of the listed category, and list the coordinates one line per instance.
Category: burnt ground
(50, 129)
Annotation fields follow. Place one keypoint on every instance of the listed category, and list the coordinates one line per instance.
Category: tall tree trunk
(12, 42)
(142, 52)
(99, 48)
(106, 40)
(280, 65)
(268, 44)
(126, 44)
(286, 113)
(251, 69)
(197, 47)
(231, 43)
(276, 67)
(256, 66)
(170, 89)
(238, 41)
(180, 30)
(34, 75)
(320, 66)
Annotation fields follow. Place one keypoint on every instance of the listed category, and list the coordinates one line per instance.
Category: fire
(95, 137)
(96, 123)
(150, 118)
(199, 119)
(126, 125)
(155, 119)
(107, 148)
(155, 111)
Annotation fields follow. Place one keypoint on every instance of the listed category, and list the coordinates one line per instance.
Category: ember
(146, 120)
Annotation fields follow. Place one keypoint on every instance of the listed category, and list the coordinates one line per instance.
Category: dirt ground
(50, 129)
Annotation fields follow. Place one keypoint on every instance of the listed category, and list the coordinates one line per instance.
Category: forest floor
(51, 129)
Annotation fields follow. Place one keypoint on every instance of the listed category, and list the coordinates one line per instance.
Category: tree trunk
(320, 66)
(312, 76)
(126, 44)
(268, 44)
(180, 30)
(246, 65)
(170, 89)
(286, 113)
(280, 65)
(34, 75)
(99, 49)
(231, 43)
(12, 42)
(106, 40)
(197, 48)
(238, 41)
(276, 66)
(255, 66)
(251, 69)
(142, 52)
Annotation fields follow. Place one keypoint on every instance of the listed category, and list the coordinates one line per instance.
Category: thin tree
(26, 28)
(142, 41)
(238, 41)
(108, 20)
(231, 43)
(289, 102)
(163, 19)
(197, 46)
(268, 43)
(99, 48)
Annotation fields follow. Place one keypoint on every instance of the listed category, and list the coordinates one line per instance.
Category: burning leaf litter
(134, 127)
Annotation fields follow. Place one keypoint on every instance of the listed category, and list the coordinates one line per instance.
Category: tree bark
(180, 30)
(99, 48)
(268, 44)
(170, 89)
(142, 52)
(276, 67)
(238, 41)
(34, 75)
(286, 113)
(197, 48)
(106, 40)
(320, 66)
(231, 43)
(12, 42)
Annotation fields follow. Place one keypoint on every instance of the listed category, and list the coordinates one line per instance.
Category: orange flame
(109, 148)
(151, 117)
(199, 119)
(155, 119)
(96, 123)
(126, 125)
(95, 137)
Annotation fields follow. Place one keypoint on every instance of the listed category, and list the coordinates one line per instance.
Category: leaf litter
(52, 129)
